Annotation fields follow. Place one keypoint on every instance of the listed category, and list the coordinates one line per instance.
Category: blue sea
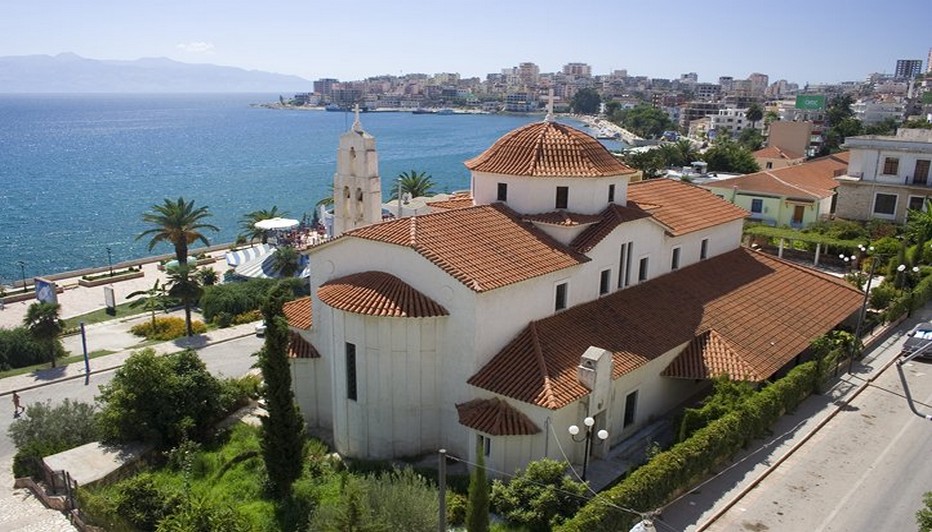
(77, 171)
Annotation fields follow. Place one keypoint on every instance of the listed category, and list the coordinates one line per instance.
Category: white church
(561, 290)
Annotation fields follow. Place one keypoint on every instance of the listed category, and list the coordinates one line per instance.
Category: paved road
(865, 469)
(19, 511)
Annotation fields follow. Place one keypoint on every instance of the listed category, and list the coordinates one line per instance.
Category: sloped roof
(682, 207)
(765, 309)
(548, 149)
(710, 355)
(375, 293)
(458, 201)
(773, 152)
(298, 313)
(484, 247)
(811, 180)
(613, 216)
(495, 417)
(298, 347)
(564, 218)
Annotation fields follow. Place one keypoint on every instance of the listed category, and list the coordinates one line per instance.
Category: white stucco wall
(532, 195)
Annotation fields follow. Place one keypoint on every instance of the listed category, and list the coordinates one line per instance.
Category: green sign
(810, 102)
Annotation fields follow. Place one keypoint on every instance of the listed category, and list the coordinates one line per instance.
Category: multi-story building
(581, 70)
(759, 83)
(726, 83)
(528, 74)
(731, 121)
(706, 91)
(907, 68)
(696, 110)
(558, 289)
(324, 87)
(887, 175)
(873, 111)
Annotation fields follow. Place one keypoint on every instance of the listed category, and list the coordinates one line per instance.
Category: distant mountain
(71, 73)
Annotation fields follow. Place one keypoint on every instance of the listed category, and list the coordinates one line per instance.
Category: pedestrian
(18, 408)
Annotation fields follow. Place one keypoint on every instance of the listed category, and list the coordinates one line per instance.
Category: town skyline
(802, 43)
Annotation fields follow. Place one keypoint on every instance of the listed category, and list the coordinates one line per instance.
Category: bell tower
(357, 188)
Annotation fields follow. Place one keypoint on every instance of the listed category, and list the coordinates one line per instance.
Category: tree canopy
(43, 321)
(643, 120)
(179, 223)
(249, 220)
(729, 156)
(414, 183)
(586, 101)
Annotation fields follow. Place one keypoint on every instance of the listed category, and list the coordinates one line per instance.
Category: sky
(811, 41)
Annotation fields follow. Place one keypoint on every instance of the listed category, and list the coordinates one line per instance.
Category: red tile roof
(681, 207)
(298, 313)
(495, 417)
(765, 309)
(484, 247)
(378, 294)
(611, 217)
(811, 180)
(562, 217)
(454, 202)
(298, 347)
(548, 149)
(773, 152)
(710, 355)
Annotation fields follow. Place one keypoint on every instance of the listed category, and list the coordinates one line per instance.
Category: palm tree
(184, 286)
(286, 261)
(43, 321)
(414, 183)
(156, 298)
(177, 222)
(249, 220)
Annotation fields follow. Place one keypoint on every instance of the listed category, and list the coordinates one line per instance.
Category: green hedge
(19, 348)
(767, 231)
(240, 297)
(671, 472)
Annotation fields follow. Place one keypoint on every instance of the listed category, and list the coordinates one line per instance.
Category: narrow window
(563, 196)
(350, 371)
(605, 279)
(631, 406)
(642, 269)
(769, 165)
(628, 260)
(757, 205)
(502, 192)
(484, 444)
(611, 193)
(704, 249)
(622, 263)
(891, 165)
(675, 260)
(560, 297)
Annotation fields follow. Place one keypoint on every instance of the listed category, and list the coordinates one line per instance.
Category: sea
(78, 171)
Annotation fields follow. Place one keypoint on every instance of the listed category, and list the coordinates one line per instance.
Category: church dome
(548, 149)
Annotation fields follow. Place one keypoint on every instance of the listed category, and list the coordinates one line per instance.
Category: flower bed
(106, 278)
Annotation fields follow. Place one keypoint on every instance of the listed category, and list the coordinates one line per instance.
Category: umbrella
(276, 224)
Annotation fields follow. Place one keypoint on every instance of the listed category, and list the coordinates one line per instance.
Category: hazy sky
(798, 40)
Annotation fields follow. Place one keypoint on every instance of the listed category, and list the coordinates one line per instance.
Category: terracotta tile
(378, 294)
(298, 313)
(682, 207)
(495, 417)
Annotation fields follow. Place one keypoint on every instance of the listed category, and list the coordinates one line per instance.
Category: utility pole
(442, 480)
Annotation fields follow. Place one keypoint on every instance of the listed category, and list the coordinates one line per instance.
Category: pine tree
(477, 508)
(283, 428)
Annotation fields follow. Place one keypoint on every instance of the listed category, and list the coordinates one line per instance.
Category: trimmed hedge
(676, 470)
(237, 298)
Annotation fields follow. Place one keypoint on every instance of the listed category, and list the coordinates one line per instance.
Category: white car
(260, 330)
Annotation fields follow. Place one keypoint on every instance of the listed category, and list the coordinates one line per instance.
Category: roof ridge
(791, 185)
(412, 234)
(541, 364)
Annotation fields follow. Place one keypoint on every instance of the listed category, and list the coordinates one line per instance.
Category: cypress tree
(477, 507)
(283, 433)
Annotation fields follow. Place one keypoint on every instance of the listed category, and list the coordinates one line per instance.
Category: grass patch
(123, 310)
(61, 362)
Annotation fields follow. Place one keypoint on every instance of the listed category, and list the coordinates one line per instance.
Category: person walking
(18, 408)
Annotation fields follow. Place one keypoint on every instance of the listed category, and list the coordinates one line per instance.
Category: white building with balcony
(876, 111)
(730, 120)
(887, 175)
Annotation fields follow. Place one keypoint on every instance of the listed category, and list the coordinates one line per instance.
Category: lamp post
(109, 261)
(602, 434)
(22, 269)
(867, 290)
(902, 279)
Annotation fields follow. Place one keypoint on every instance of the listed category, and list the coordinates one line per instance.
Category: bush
(727, 395)
(236, 392)
(403, 500)
(45, 430)
(656, 482)
(540, 497)
(144, 503)
(19, 348)
(456, 508)
(223, 320)
(162, 400)
(166, 328)
(240, 297)
(247, 317)
(881, 295)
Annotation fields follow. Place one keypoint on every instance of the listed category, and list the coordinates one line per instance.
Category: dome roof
(548, 149)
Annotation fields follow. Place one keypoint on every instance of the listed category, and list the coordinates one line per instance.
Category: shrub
(882, 295)
(403, 500)
(166, 328)
(223, 319)
(540, 497)
(247, 317)
(727, 395)
(19, 348)
(162, 400)
(244, 296)
(45, 430)
(198, 514)
(456, 508)
(237, 392)
(144, 503)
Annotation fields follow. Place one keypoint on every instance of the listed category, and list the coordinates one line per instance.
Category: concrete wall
(532, 195)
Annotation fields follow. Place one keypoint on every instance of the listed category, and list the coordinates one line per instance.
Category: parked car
(919, 339)
(260, 330)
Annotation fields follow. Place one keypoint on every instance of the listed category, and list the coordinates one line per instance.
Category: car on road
(919, 339)
(260, 330)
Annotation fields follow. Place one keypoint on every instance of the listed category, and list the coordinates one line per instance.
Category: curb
(110, 368)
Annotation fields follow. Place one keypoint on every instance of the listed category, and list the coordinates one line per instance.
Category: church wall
(533, 195)
(311, 384)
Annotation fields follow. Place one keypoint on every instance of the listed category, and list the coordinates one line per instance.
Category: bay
(77, 171)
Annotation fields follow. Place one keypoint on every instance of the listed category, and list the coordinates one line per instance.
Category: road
(231, 358)
(865, 469)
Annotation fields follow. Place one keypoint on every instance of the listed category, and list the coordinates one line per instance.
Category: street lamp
(109, 261)
(22, 269)
(867, 290)
(602, 434)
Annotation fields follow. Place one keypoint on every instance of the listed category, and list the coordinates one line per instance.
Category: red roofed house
(560, 292)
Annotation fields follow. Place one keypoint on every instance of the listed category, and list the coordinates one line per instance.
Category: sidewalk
(47, 376)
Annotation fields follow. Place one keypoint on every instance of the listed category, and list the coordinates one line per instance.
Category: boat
(334, 108)
(422, 111)
(445, 111)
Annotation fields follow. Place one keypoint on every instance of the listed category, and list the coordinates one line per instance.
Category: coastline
(609, 128)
